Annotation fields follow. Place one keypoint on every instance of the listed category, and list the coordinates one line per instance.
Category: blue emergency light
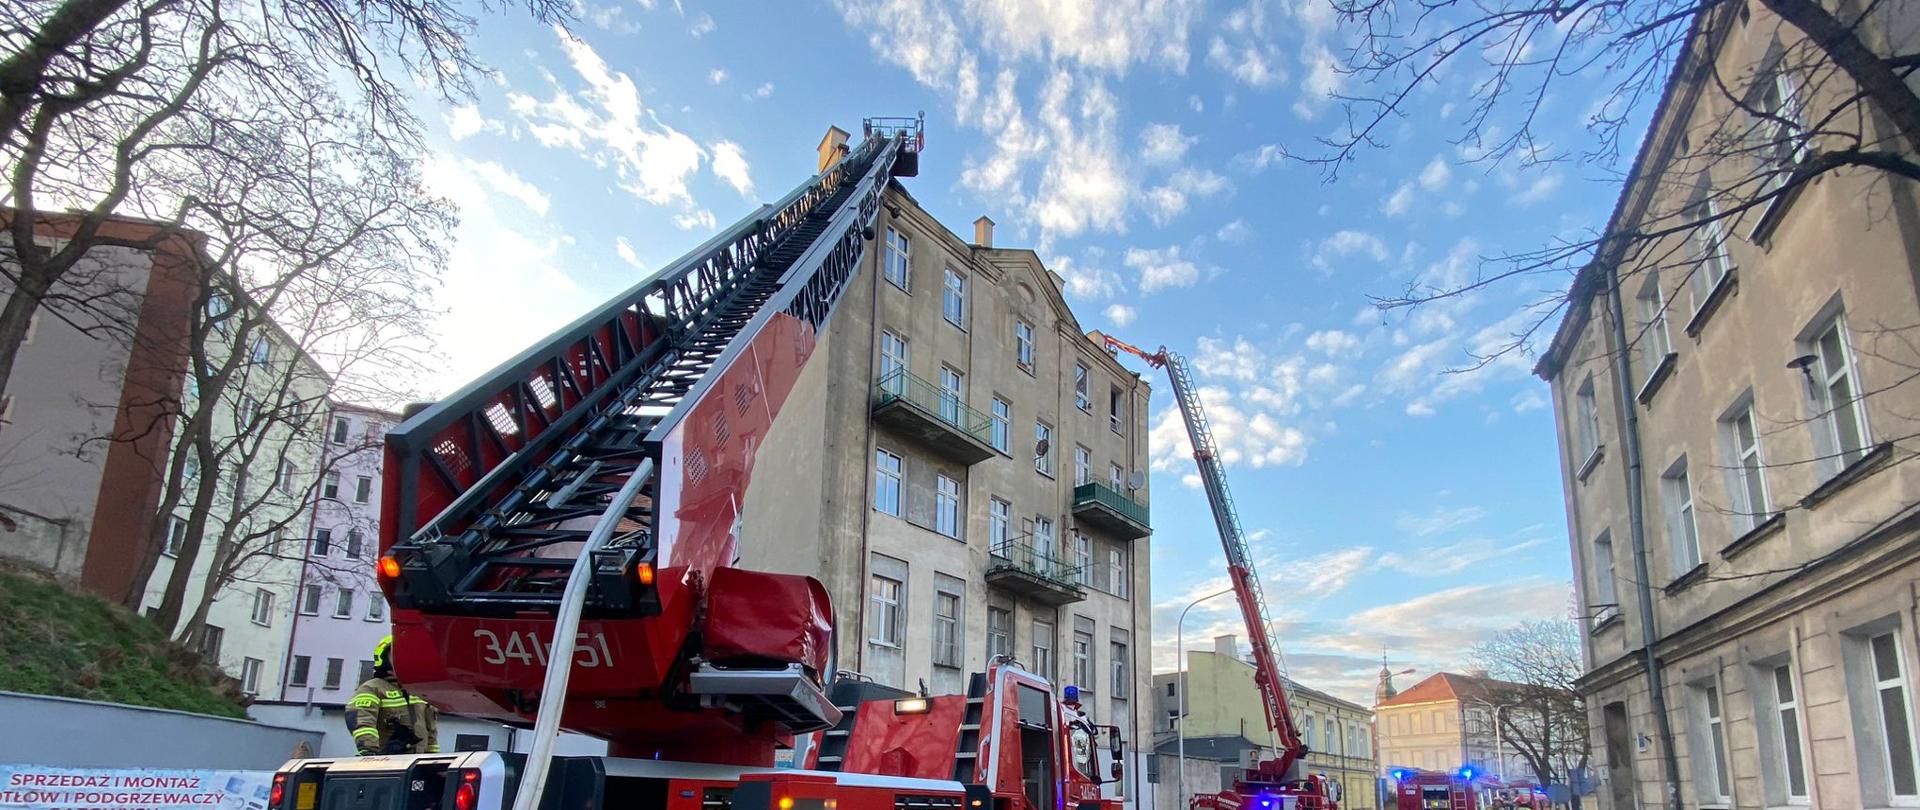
(1467, 773)
(1071, 693)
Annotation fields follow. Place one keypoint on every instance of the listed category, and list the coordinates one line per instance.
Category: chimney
(832, 147)
(983, 232)
(1226, 645)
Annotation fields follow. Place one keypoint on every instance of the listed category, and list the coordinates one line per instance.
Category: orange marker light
(786, 803)
(644, 573)
(389, 567)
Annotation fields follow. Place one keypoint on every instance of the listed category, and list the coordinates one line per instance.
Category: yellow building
(1224, 720)
(1441, 724)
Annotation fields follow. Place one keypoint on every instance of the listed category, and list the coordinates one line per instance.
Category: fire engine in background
(1280, 783)
(1463, 790)
(587, 492)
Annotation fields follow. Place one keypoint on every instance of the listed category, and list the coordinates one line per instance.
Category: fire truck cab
(1442, 790)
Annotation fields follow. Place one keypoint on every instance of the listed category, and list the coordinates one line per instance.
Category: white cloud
(1346, 243)
(608, 124)
(1333, 342)
(1170, 200)
(1530, 399)
(1160, 269)
(625, 249)
(1453, 558)
(1420, 407)
(1443, 519)
(716, 76)
(1085, 282)
(730, 164)
(1439, 627)
(1234, 232)
(1399, 201)
(1120, 314)
(465, 121)
(1244, 436)
(702, 27)
(503, 180)
(1164, 143)
(1434, 177)
(1194, 103)
(1541, 188)
(696, 219)
(1323, 79)
(1106, 36)
(1260, 158)
(1244, 48)
(764, 90)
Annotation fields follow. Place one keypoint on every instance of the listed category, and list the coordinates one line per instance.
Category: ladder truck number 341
(523, 647)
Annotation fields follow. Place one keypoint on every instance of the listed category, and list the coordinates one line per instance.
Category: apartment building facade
(1734, 411)
(340, 612)
(1219, 706)
(963, 466)
(1445, 722)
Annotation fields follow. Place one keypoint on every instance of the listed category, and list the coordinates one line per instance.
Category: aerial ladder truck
(559, 543)
(1280, 782)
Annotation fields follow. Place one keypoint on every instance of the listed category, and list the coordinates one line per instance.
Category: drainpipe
(1637, 532)
(878, 255)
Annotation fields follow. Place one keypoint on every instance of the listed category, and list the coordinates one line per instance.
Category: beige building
(1225, 720)
(965, 471)
(1750, 629)
(1444, 723)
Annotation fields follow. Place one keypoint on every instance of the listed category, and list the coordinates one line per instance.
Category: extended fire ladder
(491, 491)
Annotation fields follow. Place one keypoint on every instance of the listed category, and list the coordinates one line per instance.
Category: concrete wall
(88, 734)
(328, 723)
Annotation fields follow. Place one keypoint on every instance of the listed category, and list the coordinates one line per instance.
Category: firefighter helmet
(381, 651)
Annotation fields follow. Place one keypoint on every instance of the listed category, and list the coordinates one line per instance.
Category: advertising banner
(36, 787)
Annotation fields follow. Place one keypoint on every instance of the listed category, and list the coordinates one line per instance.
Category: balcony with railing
(935, 418)
(1024, 570)
(1099, 506)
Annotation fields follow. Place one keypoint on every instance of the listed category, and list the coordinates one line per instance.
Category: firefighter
(385, 719)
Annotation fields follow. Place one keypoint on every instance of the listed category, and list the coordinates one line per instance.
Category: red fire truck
(558, 541)
(1462, 790)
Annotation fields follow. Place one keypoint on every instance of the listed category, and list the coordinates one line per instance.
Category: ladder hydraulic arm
(644, 413)
(1267, 674)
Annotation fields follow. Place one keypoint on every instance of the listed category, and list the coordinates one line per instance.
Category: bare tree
(1533, 700)
(123, 107)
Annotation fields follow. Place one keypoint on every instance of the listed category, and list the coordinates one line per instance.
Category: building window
(1589, 421)
(1002, 424)
(331, 487)
(953, 299)
(1714, 783)
(376, 606)
(1676, 493)
(883, 620)
(886, 482)
(263, 607)
(176, 536)
(1117, 572)
(1083, 557)
(1043, 648)
(302, 667)
(250, 675)
(1709, 248)
(283, 477)
(999, 518)
(1043, 540)
(894, 355)
(354, 539)
(1023, 346)
(1082, 465)
(339, 430)
(1114, 419)
(322, 542)
(1653, 323)
(1841, 419)
(1083, 660)
(310, 600)
(999, 632)
(1173, 718)
(343, 608)
(898, 264)
(1781, 133)
(946, 629)
(334, 665)
(362, 489)
(1786, 710)
(1043, 448)
(1082, 397)
(262, 350)
(953, 394)
(1606, 603)
(1892, 704)
(946, 506)
(1116, 478)
(211, 638)
(1119, 672)
(1746, 476)
(366, 670)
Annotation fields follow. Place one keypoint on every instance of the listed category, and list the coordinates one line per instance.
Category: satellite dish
(1041, 447)
(1137, 480)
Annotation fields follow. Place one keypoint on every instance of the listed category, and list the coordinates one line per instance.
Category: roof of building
(1444, 686)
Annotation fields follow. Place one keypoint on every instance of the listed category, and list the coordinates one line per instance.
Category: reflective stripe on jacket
(385, 719)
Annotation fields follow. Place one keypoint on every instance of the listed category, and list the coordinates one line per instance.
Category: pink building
(339, 613)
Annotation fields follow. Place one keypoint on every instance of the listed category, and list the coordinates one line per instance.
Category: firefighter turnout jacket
(385, 719)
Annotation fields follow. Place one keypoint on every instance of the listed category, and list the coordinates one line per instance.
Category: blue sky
(1137, 146)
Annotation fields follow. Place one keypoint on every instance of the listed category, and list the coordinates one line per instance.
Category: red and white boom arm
(1246, 583)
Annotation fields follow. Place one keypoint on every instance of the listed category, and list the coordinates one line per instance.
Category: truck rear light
(786, 803)
(279, 790)
(467, 795)
(389, 567)
(910, 706)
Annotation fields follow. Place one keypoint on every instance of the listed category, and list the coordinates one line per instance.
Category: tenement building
(966, 473)
(1733, 390)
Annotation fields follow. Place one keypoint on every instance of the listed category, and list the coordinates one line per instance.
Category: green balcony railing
(924, 396)
(1026, 559)
(1092, 492)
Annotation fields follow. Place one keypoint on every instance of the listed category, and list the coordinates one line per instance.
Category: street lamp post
(1180, 677)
